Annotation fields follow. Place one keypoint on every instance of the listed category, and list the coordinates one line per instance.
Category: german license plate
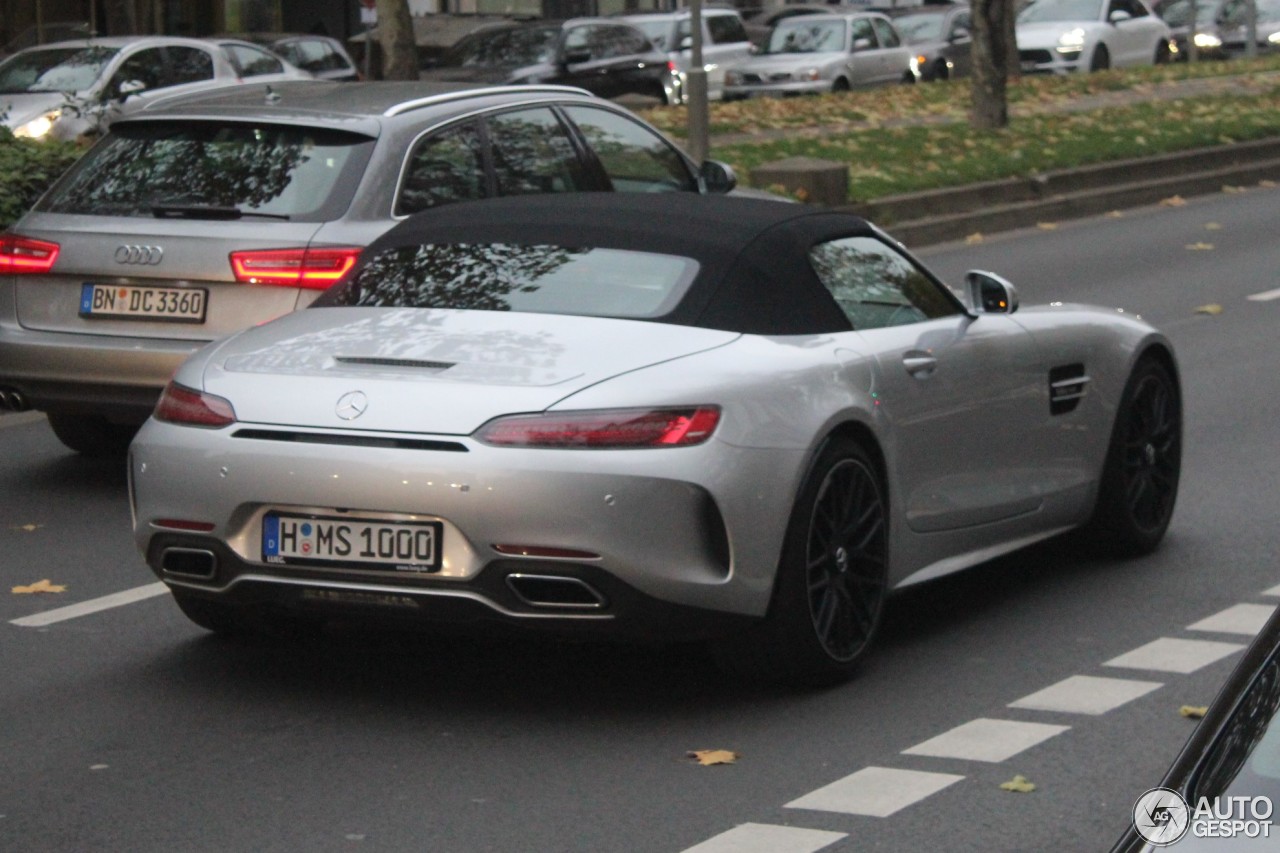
(402, 546)
(127, 302)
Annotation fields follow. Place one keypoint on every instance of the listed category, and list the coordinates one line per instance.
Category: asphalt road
(129, 729)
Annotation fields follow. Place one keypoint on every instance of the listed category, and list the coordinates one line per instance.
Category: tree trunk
(395, 37)
(120, 19)
(991, 59)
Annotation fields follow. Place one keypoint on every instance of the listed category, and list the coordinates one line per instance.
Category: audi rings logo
(143, 255)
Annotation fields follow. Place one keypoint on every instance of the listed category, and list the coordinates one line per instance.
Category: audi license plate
(402, 546)
(126, 302)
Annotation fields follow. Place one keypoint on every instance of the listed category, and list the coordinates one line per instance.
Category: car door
(725, 44)
(1135, 37)
(163, 71)
(864, 61)
(894, 56)
(962, 397)
(959, 38)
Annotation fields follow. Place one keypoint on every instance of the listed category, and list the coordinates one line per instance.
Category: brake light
(314, 269)
(24, 255)
(604, 429)
(182, 405)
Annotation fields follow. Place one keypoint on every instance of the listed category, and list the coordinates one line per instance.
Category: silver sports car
(652, 416)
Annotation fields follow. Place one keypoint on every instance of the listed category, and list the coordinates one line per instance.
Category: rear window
(508, 277)
(215, 171)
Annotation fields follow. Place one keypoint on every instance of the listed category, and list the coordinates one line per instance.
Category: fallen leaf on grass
(27, 528)
(1019, 785)
(39, 586)
(1199, 247)
(1212, 309)
(1174, 201)
(973, 239)
(708, 757)
(1193, 712)
(1046, 226)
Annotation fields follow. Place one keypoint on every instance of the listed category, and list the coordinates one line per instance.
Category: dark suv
(207, 214)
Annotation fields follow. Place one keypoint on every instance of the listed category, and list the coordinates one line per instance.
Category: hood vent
(394, 362)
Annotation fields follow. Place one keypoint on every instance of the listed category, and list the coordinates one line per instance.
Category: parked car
(1060, 36)
(73, 89)
(254, 63)
(1229, 766)
(1233, 26)
(1178, 15)
(558, 412)
(939, 37)
(321, 56)
(202, 215)
(724, 43)
(606, 57)
(823, 53)
(759, 24)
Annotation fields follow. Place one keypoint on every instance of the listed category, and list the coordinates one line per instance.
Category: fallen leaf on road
(1174, 201)
(1019, 785)
(98, 766)
(1230, 190)
(1199, 247)
(1116, 214)
(1193, 712)
(974, 238)
(1046, 226)
(1267, 184)
(28, 528)
(708, 757)
(1209, 309)
(1213, 226)
(39, 586)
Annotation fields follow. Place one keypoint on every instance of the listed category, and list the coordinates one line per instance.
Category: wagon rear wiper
(207, 211)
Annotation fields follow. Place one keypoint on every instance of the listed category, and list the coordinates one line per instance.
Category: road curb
(1004, 205)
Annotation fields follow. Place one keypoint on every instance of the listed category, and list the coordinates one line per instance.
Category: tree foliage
(27, 169)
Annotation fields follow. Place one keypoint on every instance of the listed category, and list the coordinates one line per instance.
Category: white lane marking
(767, 838)
(1265, 296)
(1086, 694)
(20, 419)
(1240, 619)
(84, 608)
(875, 791)
(986, 740)
(1275, 590)
(1171, 655)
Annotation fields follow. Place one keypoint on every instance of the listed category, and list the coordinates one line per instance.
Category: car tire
(92, 435)
(1139, 483)
(940, 71)
(1101, 59)
(832, 578)
(1162, 53)
(840, 85)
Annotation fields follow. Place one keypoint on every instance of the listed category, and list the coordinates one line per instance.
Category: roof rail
(445, 97)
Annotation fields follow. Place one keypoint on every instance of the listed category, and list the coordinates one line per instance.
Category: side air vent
(1067, 384)
(395, 362)
(351, 440)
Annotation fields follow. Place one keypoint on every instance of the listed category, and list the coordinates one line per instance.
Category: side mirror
(862, 44)
(1119, 16)
(130, 87)
(716, 177)
(576, 56)
(686, 43)
(959, 35)
(989, 293)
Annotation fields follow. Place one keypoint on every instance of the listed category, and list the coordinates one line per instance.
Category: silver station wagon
(205, 215)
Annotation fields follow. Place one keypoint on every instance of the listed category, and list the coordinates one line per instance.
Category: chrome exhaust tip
(555, 591)
(189, 562)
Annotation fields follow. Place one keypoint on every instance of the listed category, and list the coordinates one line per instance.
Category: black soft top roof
(754, 276)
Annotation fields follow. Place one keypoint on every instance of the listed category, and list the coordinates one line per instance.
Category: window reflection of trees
(237, 167)
(635, 159)
(445, 168)
(57, 70)
(532, 154)
(459, 275)
(875, 286)
(513, 47)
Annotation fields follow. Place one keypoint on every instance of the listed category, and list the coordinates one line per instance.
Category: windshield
(513, 47)
(1237, 13)
(214, 170)
(64, 69)
(918, 28)
(1178, 13)
(508, 277)
(806, 35)
(1061, 10)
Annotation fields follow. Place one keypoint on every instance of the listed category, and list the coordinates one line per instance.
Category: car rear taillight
(605, 429)
(24, 255)
(182, 405)
(315, 269)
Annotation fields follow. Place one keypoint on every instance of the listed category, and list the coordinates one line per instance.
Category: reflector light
(544, 551)
(181, 524)
(604, 429)
(315, 269)
(25, 255)
(182, 405)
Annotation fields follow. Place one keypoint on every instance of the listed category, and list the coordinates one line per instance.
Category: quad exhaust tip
(555, 591)
(189, 562)
(13, 400)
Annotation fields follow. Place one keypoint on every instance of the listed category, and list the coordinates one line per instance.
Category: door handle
(919, 364)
